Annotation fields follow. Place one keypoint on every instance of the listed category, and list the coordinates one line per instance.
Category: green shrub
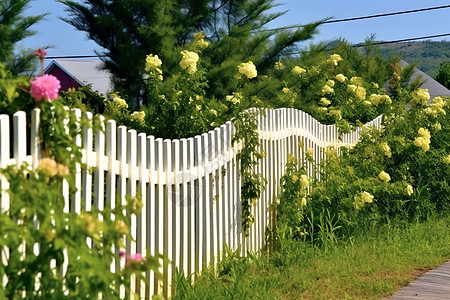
(400, 171)
(47, 251)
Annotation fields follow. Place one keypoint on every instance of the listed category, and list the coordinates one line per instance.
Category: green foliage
(443, 75)
(49, 252)
(332, 91)
(400, 171)
(37, 220)
(371, 265)
(292, 201)
(84, 98)
(12, 98)
(14, 27)
(249, 156)
(130, 30)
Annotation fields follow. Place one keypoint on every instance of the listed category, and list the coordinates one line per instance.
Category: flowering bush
(398, 171)
(45, 87)
(47, 251)
(324, 91)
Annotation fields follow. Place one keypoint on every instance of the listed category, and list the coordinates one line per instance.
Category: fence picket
(4, 184)
(191, 212)
(151, 214)
(190, 188)
(141, 222)
(175, 203)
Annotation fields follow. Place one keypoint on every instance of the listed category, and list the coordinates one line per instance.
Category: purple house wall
(66, 81)
(78, 73)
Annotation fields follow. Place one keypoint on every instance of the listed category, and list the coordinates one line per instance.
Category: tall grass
(369, 265)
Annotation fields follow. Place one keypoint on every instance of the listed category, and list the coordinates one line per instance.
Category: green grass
(370, 265)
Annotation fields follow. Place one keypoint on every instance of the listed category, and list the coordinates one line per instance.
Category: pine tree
(129, 30)
(14, 27)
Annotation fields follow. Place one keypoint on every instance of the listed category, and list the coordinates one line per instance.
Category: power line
(407, 40)
(387, 14)
(74, 56)
(366, 17)
(374, 43)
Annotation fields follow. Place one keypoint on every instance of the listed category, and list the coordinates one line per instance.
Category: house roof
(85, 72)
(434, 88)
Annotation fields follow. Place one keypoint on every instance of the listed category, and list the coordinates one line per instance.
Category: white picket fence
(190, 187)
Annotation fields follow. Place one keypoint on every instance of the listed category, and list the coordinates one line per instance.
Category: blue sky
(68, 41)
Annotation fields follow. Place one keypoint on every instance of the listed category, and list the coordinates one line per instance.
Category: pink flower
(122, 253)
(133, 258)
(45, 87)
(41, 53)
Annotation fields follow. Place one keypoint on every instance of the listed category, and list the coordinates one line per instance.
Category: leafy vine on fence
(249, 155)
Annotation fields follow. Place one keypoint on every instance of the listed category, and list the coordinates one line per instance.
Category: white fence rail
(190, 187)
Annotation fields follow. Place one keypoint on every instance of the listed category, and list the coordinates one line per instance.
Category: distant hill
(428, 55)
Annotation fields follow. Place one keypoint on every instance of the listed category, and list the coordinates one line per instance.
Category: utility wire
(359, 45)
(74, 56)
(387, 14)
(326, 22)
(366, 17)
(407, 40)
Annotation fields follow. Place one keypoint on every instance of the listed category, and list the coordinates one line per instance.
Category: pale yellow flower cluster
(304, 181)
(420, 97)
(152, 66)
(355, 88)
(423, 140)
(294, 177)
(361, 199)
(330, 83)
(324, 101)
(199, 40)
(352, 88)
(376, 99)
(189, 61)
(387, 150)
(138, 116)
(120, 102)
(248, 69)
(360, 93)
(309, 152)
(337, 113)
(121, 227)
(297, 70)
(199, 35)
(90, 223)
(235, 98)
(286, 90)
(383, 176)
(303, 203)
(279, 65)
(326, 89)
(436, 107)
(152, 61)
(356, 80)
(409, 190)
(51, 168)
(202, 44)
(335, 59)
(315, 70)
(446, 159)
(437, 126)
(340, 77)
